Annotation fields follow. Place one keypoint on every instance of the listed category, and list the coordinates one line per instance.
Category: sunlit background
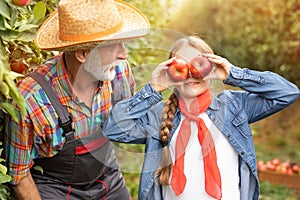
(258, 34)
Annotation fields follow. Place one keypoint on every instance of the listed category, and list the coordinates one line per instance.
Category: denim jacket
(137, 120)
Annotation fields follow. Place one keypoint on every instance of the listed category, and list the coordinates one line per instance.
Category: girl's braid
(165, 128)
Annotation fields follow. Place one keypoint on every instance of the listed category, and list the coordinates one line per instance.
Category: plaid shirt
(38, 134)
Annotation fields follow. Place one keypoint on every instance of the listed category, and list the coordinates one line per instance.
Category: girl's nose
(122, 53)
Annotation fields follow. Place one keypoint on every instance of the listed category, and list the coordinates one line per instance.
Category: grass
(270, 191)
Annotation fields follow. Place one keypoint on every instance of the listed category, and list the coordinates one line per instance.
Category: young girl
(199, 146)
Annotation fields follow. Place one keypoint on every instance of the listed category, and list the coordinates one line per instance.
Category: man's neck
(83, 83)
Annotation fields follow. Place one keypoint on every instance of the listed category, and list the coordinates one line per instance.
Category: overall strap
(64, 118)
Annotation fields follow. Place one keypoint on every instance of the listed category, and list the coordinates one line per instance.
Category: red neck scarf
(211, 170)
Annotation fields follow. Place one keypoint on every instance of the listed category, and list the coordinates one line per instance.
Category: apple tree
(254, 33)
(19, 20)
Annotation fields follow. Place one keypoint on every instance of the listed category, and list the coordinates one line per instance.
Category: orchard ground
(278, 136)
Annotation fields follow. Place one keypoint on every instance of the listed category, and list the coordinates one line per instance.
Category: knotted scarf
(211, 170)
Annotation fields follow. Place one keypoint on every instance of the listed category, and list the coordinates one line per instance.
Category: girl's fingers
(167, 62)
(212, 56)
(215, 58)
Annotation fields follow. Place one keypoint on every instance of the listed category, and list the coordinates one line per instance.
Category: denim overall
(85, 168)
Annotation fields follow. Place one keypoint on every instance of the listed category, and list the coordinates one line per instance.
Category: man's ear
(81, 55)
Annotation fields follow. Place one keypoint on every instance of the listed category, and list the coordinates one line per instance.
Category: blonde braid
(165, 128)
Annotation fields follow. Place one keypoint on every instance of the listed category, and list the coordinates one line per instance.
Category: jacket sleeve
(132, 119)
(266, 92)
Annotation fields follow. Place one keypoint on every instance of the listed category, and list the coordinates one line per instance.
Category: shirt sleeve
(18, 147)
(266, 92)
(125, 79)
(132, 119)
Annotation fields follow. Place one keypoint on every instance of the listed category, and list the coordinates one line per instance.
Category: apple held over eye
(21, 2)
(200, 67)
(178, 70)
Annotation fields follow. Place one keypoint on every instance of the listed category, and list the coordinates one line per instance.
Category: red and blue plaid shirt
(39, 134)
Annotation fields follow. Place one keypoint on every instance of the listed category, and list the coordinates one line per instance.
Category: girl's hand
(221, 67)
(159, 79)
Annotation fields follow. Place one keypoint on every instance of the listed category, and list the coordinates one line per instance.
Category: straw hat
(86, 23)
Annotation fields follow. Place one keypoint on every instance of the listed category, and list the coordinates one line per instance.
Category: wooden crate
(291, 181)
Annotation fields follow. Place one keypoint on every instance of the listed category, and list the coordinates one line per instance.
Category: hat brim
(134, 25)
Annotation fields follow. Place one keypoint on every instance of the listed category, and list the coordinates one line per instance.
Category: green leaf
(3, 169)
(25, 27)
(5, 192)
(9, 35)
(39, 10)
(7, 24)
(26, 36)
(13, 91)
(20, 23)
(5, 178)
(2, 19)
(39, 168)
(25, 48)
(10, 109)
(3, 59)
(4, 10)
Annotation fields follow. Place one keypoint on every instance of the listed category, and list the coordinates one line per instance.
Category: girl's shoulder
(229, 95)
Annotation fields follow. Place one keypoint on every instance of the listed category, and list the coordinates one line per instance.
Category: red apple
(18, 67)
(263, 168)
(289, 171)
(21, 2)
(178, 70)
(200, 67)
(270, 166)
(276, 161)
(295, 168)
(261, 165)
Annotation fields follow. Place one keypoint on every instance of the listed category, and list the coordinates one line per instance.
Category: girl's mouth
(192, 83)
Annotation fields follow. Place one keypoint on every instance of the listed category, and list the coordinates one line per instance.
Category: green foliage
(263, 35)
(18, 26)
(4, 178)
(156, 11)
(144, 54)
(5, 193)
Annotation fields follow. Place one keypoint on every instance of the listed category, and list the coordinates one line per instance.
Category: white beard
(101, 73)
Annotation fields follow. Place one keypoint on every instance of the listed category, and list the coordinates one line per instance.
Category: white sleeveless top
(227, 160)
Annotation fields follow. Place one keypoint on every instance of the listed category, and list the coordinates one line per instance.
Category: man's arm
(26, 189)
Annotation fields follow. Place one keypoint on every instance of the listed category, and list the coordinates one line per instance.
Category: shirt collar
(62, 77)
